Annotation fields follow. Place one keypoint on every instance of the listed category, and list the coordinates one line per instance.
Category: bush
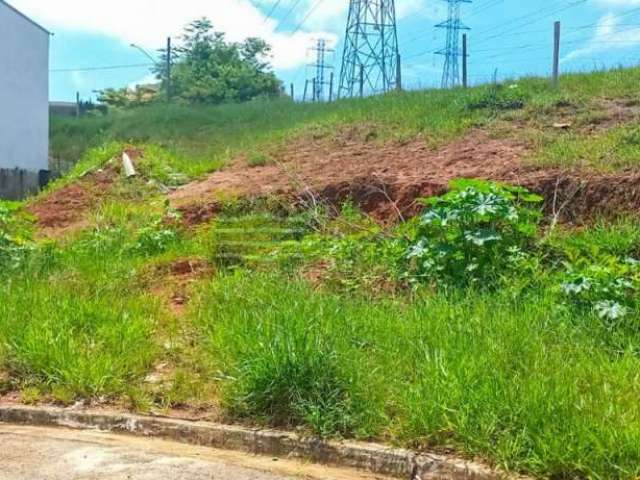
(607, 288)
(155, 239)
(474, 234)
(497, 98)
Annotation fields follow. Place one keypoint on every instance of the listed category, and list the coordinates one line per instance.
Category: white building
(24, 102)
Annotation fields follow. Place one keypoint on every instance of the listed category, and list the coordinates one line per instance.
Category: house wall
(24, 94)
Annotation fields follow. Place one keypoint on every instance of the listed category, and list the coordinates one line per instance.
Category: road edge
(369, 457)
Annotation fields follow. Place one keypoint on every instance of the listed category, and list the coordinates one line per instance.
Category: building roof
(32, 22)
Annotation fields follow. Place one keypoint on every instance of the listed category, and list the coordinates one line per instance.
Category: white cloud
(149, 22)
(609, 35)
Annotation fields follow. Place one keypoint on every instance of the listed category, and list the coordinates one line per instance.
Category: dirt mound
(65, 209)
(385, 180)
(573, 196)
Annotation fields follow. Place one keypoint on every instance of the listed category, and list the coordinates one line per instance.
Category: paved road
(28, 453)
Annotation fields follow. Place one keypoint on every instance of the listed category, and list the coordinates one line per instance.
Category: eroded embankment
(387, 180)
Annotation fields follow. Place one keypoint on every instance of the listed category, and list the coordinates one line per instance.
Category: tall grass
(83, 343)
(516, 379)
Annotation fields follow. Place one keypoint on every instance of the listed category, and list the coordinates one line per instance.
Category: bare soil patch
(383, 179)
(64, 210)
(386, 180)
(172, 282)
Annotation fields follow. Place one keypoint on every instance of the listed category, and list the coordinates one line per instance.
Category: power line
(290, 11)
(481, 7)
(272, 11)
(306, 17)
(95, 69)
(528, 19)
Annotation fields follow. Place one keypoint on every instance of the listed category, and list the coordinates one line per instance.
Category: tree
(127, 97)
(208, 69)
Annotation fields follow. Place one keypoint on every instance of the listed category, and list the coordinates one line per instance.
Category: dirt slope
(386, 180)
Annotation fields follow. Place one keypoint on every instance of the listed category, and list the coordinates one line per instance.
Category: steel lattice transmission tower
(451, 52)
(321, 81)
(370, 60)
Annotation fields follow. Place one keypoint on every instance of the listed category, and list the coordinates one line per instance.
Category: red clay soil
(172, 282)
(370, 173)
(65, 209)
(386, 180)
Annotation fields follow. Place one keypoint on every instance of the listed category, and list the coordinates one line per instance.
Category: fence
(16, 184)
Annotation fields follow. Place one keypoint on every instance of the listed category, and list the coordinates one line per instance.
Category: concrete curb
(368, 457)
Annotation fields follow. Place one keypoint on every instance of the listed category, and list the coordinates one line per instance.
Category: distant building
(64, 109)
(24, 103)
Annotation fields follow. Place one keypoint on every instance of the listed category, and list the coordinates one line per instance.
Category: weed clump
(288, 366)
(497, 98)
(13, 248)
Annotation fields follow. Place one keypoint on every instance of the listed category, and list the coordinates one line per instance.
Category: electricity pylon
(370, 61)
(451, 51)
(320, 81)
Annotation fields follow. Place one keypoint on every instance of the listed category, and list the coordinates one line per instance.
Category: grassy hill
(200, 139)
(485, 322)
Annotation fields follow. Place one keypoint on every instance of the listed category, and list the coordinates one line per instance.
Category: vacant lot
(274, 264)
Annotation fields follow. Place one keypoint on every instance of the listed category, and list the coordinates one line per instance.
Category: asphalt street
(30, 453)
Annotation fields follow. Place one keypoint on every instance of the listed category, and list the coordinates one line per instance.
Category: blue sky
(512, 36)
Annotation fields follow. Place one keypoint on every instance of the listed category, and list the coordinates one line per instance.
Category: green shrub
(608, 288)
(258, 159)
(155, 239)
(474, 234)
(497, 98)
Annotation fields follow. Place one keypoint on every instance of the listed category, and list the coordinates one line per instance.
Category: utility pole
(292, 92)
(371, 48)
(306, 86)
(319, 69)
(398, 73)
(168, 67)
(556, 54)
(331, 87)
(451, 51)
(465, 55)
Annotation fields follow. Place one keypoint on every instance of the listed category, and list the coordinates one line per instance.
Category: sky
(91, 48)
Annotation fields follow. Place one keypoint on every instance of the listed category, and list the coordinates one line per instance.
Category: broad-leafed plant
(609, 288)
(474, 234)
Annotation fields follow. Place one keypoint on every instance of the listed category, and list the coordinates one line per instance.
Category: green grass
(610, 150)
(513, 376)
(514, 379)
